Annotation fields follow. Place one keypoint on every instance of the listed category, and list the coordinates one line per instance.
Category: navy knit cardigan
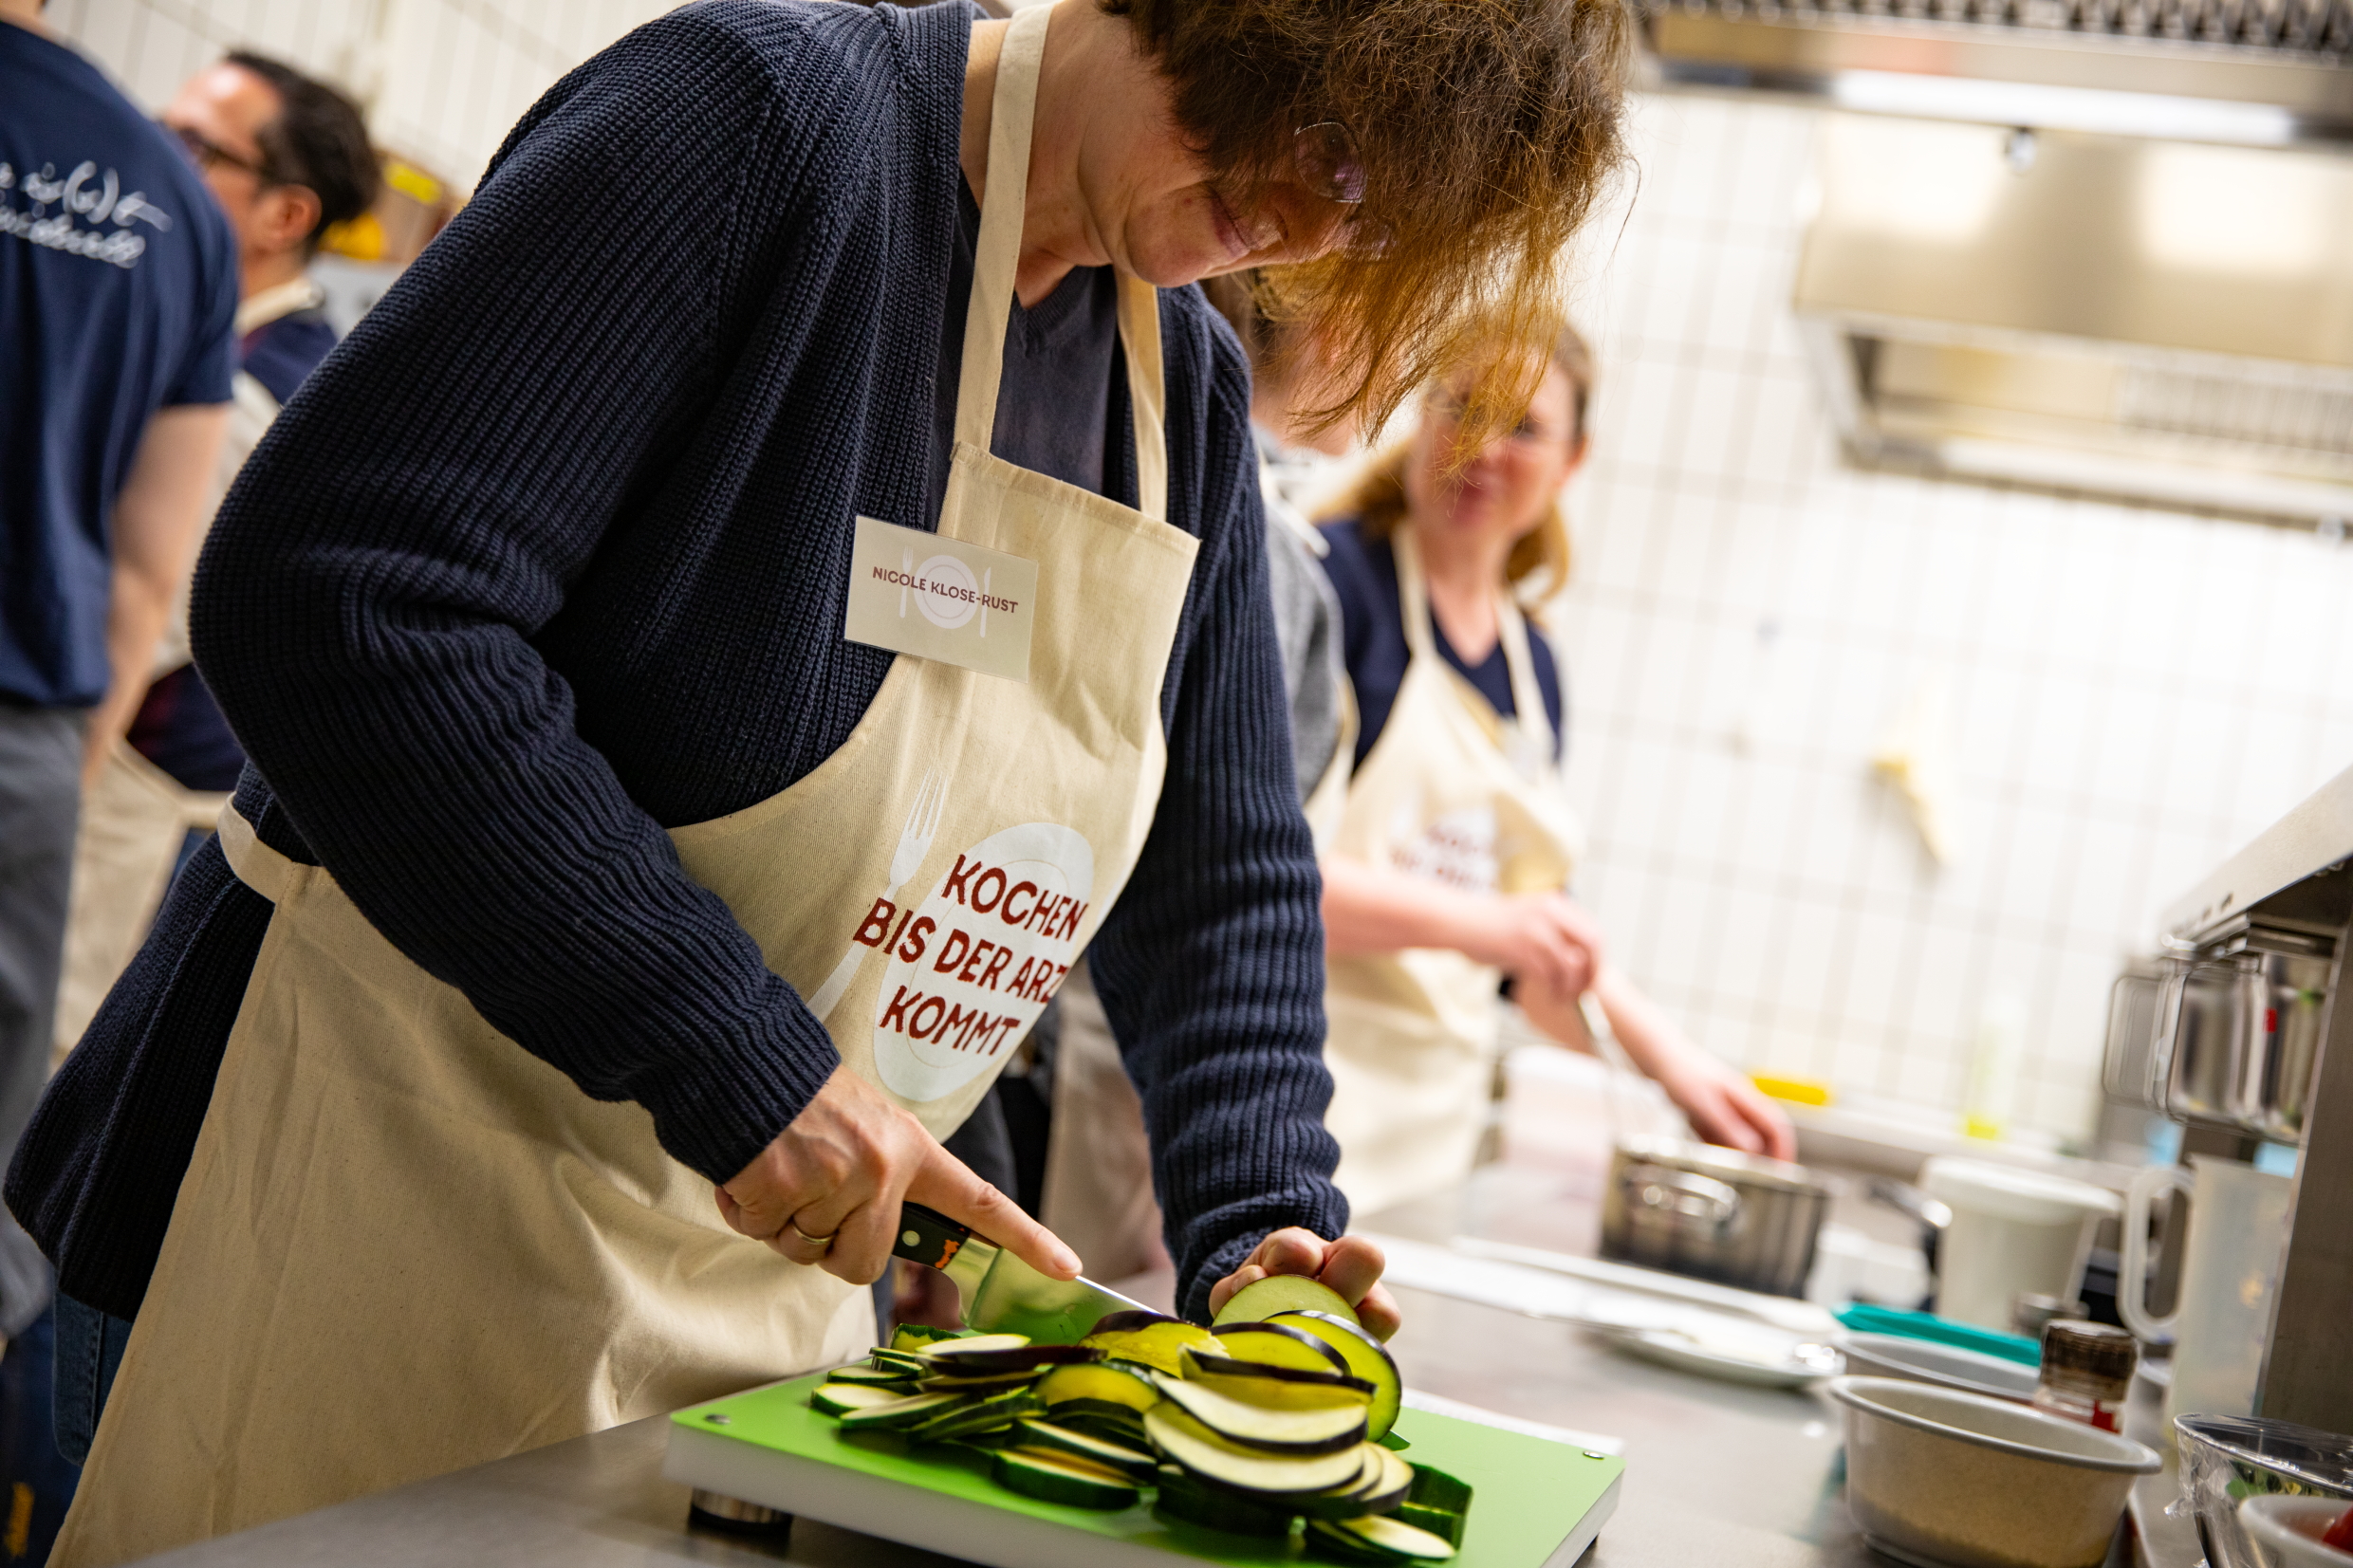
(547, 558)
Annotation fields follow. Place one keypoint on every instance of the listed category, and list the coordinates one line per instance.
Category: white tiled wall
(2132, 693)
(443, 80)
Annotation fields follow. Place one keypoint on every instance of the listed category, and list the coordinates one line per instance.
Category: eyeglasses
(208, 153)
(1328, 163)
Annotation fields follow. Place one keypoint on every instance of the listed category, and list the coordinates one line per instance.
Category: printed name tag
(917, 593)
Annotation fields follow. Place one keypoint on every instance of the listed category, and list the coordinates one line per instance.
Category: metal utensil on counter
(1711, 1213)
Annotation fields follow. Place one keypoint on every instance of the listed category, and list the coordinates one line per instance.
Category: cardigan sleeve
(1211, 966)
(365, 604)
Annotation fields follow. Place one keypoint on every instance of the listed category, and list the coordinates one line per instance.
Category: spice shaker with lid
(2087, 1370)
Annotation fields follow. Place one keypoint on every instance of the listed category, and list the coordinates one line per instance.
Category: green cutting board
(1535, 1503)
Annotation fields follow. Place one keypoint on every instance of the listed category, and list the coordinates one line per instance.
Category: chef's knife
(1003, 1295)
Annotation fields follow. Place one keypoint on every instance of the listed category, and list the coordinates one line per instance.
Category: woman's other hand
(1350, 1266)
(1380, 909)
(1722, 1105)
(1545, 937)
(826, 1191)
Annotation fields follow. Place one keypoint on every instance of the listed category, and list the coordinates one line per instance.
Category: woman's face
(1501, 493)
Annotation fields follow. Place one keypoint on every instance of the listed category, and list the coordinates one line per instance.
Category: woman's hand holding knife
(828, 1189)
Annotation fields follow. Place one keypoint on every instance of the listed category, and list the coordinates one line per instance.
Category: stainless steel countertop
(1716, 1473)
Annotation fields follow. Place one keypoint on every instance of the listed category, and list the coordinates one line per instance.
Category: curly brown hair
(1488, 130)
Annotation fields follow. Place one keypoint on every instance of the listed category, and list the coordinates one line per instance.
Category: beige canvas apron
(406, 1244)
(1453, 792)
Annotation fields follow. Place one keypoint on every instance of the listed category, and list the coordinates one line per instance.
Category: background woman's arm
(1370, 908)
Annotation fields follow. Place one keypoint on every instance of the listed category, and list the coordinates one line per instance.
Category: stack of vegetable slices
(1273, 1420)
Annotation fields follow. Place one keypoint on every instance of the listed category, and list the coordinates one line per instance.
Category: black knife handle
(927, 1237)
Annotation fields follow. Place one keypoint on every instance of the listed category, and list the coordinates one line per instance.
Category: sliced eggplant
(1378, 1539)
(1329, 1430)
(1244, 1468)
(1157, 1345)
(1099, 1384)
(1276, 1388)
(1367, 1358)
(1128, 1322)
(1059, 1478)
(992, 1353)
(836, 1398)
(1186, 1499)
(910, 1339)
(1132, 1461)
(1262, 1299)
(1387, 1490)
(1279, 1345)
(1345, 1500)
(995, 1382)
(1126, 1427)
(901, 1414)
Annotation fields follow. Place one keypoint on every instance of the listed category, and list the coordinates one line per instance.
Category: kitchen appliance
(1957, 1480)
(1714, 1214)
(1535, 1503)
(2225, 1459)
(2281, 911)
(2014, 1232)
(2236, 1031)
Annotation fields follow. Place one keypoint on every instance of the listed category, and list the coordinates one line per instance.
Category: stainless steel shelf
(2295, 872)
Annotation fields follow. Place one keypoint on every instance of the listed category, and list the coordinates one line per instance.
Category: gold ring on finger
(821, 1243)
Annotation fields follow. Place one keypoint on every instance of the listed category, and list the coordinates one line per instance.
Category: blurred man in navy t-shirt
(286, 157)
(117, 306)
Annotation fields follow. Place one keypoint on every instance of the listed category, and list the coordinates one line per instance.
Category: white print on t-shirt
(97, 201)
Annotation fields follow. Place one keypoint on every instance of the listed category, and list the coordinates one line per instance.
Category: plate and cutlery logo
(940, 599)
(970, 967)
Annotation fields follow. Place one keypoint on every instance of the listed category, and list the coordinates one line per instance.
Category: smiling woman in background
(1448, 873)
(615, 836)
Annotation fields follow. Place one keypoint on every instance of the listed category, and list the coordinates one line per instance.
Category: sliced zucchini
(1126, 1427)
(885, 1359)
(1187, 1499)
(1380, 1539)
(909, 1338)
(1157, 1345)
(973, 1344)
(1433, 1489)
(1329, 1429)
(1367, 1358)
(1279, 1345)
(1446, 1526)
(1059, 1478)
(901, 1414)
(1130, 1460)
(1262, 1299)
(1246, 1469)
(871, 1375)
(836, 1398)
(993, 1383)
(977, 1415)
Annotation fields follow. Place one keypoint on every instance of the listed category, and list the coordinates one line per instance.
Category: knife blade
(1001, 1294)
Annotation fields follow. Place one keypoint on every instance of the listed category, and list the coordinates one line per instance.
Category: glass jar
(2087, 1370)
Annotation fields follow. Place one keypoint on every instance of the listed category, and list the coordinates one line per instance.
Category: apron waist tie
(257, 865)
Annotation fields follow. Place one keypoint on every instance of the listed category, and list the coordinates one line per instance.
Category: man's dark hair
(318, 140)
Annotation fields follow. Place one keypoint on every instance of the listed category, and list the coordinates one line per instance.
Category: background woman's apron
(1453, 792)
(406, 1244)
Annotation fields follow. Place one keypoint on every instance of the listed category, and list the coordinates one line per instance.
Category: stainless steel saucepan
(1712, 1214)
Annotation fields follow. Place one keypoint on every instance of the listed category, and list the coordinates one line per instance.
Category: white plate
(1797, 1364)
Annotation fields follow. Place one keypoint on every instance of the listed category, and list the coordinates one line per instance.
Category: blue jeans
(89, 1352)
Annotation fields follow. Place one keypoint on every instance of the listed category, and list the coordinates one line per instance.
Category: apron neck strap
(997, 256)
(1511, 630)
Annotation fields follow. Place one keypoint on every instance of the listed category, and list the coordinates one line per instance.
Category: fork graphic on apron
(914, 841)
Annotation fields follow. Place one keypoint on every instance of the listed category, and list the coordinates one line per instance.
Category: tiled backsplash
(2132, 693)
(442, 79)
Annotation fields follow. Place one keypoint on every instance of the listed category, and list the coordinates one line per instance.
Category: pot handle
(2132, 1278)
(1683, 1193)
